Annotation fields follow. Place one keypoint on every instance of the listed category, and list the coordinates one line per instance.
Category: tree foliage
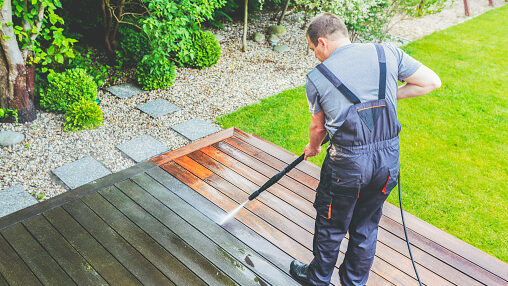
(369, 20)
(38, 30)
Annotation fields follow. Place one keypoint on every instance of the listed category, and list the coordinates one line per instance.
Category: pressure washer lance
(281, 174)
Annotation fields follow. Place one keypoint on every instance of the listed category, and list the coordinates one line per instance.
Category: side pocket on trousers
(391, 181)
(323, 204)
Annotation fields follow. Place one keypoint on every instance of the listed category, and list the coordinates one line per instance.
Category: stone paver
(196, 128)
(9, 138)
(158, 108)
(125, 90)
(14, 199)
(80, 172)
(142, 148)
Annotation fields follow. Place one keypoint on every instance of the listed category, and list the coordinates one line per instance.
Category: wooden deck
(157, 223)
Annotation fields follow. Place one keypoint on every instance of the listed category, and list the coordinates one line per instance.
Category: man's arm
(317, 134)
(423, 81)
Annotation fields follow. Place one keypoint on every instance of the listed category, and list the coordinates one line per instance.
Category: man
(352, 96)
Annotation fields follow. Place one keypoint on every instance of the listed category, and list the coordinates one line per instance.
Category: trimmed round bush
(83, 115)
(133, 46)
(156, 74)
(66, 88)
(206, 50)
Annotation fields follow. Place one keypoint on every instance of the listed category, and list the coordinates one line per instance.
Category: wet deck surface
(157, 223)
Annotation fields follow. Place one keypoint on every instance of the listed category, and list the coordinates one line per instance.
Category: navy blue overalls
(359, 171)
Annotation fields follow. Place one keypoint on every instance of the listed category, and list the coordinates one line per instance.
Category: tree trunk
(283, 12)
(466, 8)
(16, 78)
(245, 17)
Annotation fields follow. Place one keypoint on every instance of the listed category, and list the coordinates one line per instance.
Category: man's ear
(323, 41)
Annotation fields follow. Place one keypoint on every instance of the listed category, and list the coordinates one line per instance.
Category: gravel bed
(238, 79)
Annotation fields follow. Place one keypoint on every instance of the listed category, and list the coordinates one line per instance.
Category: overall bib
(359, 171)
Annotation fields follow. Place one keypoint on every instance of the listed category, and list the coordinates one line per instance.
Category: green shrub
(155, 74)
(206, 50)
(133, 46)
(84, 59)
(66, 88)
(83, 114)
(170, 25)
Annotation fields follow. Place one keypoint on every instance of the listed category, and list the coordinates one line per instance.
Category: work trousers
(354, 184)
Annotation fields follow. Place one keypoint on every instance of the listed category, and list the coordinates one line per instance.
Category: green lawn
(454, 141)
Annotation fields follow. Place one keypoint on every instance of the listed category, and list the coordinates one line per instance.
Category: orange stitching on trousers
(371, 107)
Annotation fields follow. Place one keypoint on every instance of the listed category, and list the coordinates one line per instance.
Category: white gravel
(238, 79)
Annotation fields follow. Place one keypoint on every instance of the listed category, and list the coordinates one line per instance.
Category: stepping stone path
(196, 128)
(14, 199)
(80, 172)
(158, 108)
(142, 148)
(281, 48)
(9, 138)
(125, 90)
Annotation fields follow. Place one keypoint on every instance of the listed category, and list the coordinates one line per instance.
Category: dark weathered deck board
(66, 256)
(159, 257)
(165, 235)
(116, 245)
(3, 282)
(100, 259)
(12, 267)
(40, 262)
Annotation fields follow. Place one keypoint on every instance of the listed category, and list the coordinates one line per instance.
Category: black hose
(405, 232)
(281, 174)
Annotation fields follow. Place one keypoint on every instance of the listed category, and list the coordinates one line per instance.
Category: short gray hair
(326, 25)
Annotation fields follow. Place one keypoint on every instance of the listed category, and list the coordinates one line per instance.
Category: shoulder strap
(338, 84)
(382, 70)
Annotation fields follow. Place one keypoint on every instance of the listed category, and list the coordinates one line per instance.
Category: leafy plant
(6, 114)
(84, 60)
(155, 74)
(83, 114)
(205, 50)
(67, 88)
(58, 46)
(368, 20)
(171, 24)
(133, 46)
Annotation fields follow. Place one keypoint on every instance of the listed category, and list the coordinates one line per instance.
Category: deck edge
(75, 194)
(193, 146)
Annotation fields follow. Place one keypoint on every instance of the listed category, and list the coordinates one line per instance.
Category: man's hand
(311, 151)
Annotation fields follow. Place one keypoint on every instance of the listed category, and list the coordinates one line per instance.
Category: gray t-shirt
(357, 67)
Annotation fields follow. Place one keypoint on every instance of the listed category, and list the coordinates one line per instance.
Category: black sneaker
(298, 270)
